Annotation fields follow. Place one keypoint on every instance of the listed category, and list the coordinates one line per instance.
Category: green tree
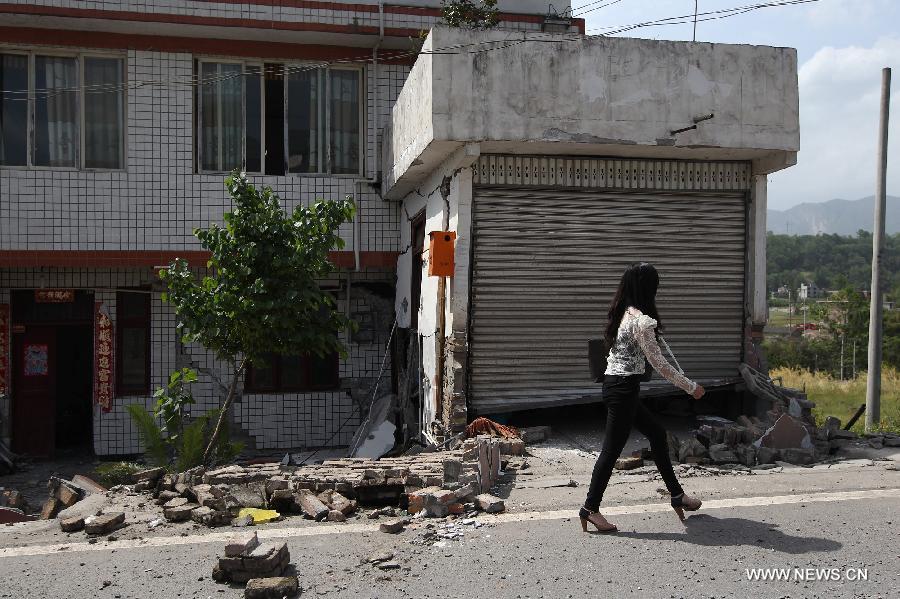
(261, 294)
(470, 14)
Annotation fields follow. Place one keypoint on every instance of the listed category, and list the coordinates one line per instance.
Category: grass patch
(842, 398)
(110, 474)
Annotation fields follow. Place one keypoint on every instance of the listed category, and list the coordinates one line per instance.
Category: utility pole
(873, 385)
(695, 20)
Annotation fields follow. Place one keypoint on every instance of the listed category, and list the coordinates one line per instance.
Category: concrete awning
(534, 93)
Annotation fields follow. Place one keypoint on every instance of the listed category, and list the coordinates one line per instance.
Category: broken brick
(489, 503)
(242, 545)
(271, 588)
(71, 524)
(629, 463)
(393, 526)
(179, 513)
(311, 506)
(104, 523)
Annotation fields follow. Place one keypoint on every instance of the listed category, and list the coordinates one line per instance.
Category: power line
(583, 10)
(708, 16)
(493, 45)
(194, 81)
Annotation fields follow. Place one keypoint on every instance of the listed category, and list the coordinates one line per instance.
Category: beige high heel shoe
(685, 503)
(597, 520)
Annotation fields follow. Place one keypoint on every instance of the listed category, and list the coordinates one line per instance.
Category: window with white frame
(62, 110)
(279, 118)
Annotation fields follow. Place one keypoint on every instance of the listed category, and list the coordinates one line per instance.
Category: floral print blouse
(635, 340)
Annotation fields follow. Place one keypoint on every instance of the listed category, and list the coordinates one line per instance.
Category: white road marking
(332, 529)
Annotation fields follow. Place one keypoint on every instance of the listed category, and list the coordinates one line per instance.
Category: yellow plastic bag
(259, 516)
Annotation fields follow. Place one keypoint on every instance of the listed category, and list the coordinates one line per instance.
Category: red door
(33, 391)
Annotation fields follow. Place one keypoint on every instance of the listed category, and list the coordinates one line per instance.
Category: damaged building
(535, 171)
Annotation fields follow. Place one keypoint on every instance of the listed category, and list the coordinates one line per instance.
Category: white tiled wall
(272, 420)
(156, 202)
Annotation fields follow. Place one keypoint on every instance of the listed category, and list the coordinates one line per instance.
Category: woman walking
(632, 334)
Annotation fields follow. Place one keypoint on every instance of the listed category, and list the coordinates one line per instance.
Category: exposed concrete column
(757, 304)
(455, 402)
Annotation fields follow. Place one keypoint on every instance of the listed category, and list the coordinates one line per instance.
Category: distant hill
(843, 217)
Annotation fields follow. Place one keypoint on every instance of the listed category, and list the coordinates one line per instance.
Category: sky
(842, 45)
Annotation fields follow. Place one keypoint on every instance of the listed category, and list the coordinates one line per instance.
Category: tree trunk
(229, 399)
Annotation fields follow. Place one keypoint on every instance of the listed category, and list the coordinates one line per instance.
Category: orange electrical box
(441, 253)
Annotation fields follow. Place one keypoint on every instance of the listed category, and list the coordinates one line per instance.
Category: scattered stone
(629, 463)
(746, 454)
(242, 521)
(767, 455)
(166, 496)
(489, 503)
(311, 506)
(72, 524)
(176, 502)
(388, 566)
(249, 495)
(722, 454)
(67, 495)
(271, 588)
(795, 455)
(151, 475)
(534, 434)
(691, 447)
(51, 507)
(842, 434)
(179, 513)
(377, 558)
(336, 516)
(13, 499)
(875, 442)
(104, 523)
(342, 504)
(393, 526)
(263, 561)
(891, 441)
(85, 483)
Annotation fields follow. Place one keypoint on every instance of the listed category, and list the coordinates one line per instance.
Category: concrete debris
(336, 516)
(311, 505)
(787, 432)
(534, 434)
(12, 498)
(241, 545)
(267, 560)
(72, 524)
(378, 558)
(394, 526)
(629, 463)
(104, 523)
(489, 503)
(179, 513)
(271, 588)
(721, 453)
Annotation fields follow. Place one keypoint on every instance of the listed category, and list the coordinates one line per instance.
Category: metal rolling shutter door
(546, 263)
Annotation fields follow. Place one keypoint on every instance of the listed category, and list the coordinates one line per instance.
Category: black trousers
(624, 411)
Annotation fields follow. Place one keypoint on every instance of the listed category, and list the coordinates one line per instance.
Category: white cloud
(840, 90)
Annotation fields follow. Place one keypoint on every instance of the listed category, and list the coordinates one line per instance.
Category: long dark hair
(637, 288)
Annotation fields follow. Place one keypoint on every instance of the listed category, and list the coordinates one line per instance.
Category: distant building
(809, 291)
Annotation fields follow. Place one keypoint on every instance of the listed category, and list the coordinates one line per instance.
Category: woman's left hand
(699, 391)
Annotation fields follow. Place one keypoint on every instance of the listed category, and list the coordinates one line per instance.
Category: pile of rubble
(436, 483)
(788, 433)
(262, 567)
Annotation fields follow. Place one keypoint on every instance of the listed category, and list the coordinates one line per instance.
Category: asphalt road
(840, 520)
